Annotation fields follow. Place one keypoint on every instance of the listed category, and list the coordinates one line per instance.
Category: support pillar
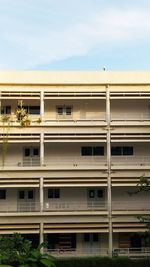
(42, 106)
(41, 194)
(109, 197)
(42, 149)
(41, 234)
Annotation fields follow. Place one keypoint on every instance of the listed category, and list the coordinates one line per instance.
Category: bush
(101, 262)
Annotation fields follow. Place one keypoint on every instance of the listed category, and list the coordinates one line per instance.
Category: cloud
(45, 39)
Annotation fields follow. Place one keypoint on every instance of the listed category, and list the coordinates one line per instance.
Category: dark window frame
(53, 193)
(6, 110)
(64, 110)
(92, 151)
(2, 194)
(122, 151)
(32, 110)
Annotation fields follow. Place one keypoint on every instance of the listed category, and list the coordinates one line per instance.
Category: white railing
(80, 161)
(21, 207)
(31, 161)
(54, 206)
(52, 161)
(84, 160)
(75, 206)
(130, 116)
(81, 118)
(84, 252)
(131, 205)
(130, 160)
(142, 252)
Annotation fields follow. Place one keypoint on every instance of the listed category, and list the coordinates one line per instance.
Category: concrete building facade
(67, 177)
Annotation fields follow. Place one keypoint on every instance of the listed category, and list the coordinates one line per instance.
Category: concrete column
(41, 234)
(41, 194)
(42, 105)
(42, 149)
(109, 198)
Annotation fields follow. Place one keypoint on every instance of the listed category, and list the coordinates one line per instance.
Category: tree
(17, 251)
(143, 186)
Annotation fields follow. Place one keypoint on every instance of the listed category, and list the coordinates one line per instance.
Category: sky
(74, 35)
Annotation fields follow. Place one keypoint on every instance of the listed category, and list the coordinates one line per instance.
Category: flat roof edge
(74, 77)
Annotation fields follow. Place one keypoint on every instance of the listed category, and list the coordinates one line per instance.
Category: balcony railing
(84, 252)
(135, 253)
(131, 205)
(77, 119)
(75, 206)
(31, 161)
(54, 206)
(92, 162)
(77, 161)
(64, 161)
(130, 160)
(130, 116)
(57, 206)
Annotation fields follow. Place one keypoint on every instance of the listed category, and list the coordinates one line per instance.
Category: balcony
(61, 206)
(130, 118)
(78, 120)
(133, 253)
(96, 119)
(54, 206)
(84, 252)
(131, 205)
(60, 162)
(130, 162)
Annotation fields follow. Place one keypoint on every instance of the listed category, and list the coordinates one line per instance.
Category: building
(66, 177)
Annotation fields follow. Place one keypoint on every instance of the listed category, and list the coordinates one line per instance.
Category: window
(86, 237)
(116, 151)
(6, 110)
(26, 194)
(35, 152)
(53, 193)
(64, 110)
(95, 237)
(33, 110)
(27, 152)
(2, 194)
(92, 151)
(21, 194)
(31, 152)
(100, 193)
(30, 194)
(122, 151)
(96, 193)
(128, 150)
(91, 237)
(91, 193)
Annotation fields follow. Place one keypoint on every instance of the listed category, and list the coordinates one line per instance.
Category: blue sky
(74, 34)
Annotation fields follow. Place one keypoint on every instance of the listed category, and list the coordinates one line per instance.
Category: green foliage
(101, 262)
(13, 248)
(16, 251)
(142, 186)
(22, 115)
(35, 258)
